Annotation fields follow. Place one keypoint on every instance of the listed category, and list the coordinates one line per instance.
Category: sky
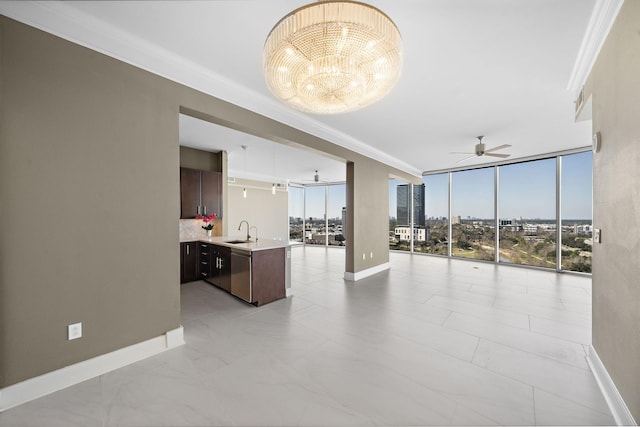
(527, 190)
(315, 201)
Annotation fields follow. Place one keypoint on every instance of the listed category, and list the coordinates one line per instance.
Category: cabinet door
(268, 275)
(211, 192)
(189, 193)
(204, 260)
(189, 266)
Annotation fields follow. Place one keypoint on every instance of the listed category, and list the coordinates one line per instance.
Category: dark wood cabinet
(222, 275)
(268, 275)
(200, 193)
(188, 259)
(189, 193)
(211, 192)
(205, 257)
(258, 277)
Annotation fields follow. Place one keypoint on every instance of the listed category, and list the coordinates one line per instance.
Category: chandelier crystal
(333, 57)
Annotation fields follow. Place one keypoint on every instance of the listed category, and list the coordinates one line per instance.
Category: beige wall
(268, 212)
(89, 199)
(614, 84)
(367, 215)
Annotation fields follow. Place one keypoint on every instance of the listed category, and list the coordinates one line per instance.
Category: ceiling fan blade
(460, 152)
(502, 156)
(499, 147)
(466, 158)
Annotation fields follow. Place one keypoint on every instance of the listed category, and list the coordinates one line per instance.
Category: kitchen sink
(238, 241)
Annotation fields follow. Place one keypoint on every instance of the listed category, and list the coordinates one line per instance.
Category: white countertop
(260, 245)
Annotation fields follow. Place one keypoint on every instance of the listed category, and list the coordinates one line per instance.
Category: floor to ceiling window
(435, 239)
(455, 213)
(315, 232)
(472, 214)
(527, 213)
(576, 212)
(317, 214)
(296, 213)
(399, 215)
(336, 214)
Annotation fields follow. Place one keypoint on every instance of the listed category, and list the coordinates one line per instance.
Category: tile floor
(431, 342)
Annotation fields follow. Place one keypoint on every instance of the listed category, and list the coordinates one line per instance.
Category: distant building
(456, 220)
(404, 233)
(583, 229)
(403, 205)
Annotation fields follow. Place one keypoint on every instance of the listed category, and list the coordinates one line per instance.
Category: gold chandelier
(333, 57)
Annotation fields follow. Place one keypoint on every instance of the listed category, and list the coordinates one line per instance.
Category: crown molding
(602, 18)
(64, 21)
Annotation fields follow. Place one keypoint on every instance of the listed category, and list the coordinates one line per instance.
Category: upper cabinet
(211, 185)
(200, 193)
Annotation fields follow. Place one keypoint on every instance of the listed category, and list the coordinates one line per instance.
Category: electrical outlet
(597, 235)
(74, 331)
(364, 256)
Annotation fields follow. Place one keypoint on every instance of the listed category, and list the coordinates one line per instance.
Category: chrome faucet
(252, 227)
(240, 226)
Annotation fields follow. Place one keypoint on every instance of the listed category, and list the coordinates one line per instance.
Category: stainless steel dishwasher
(241, 275)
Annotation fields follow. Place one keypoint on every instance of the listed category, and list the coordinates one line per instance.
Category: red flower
(207, 219)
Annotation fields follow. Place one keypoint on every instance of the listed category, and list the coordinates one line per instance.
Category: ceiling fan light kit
(333, 57)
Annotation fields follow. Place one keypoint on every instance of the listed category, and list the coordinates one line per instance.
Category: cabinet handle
(203, 263)
(220, 264)
(205, 210)
(187, 249)
(204, 253)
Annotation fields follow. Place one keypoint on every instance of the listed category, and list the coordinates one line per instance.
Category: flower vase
(209, 233)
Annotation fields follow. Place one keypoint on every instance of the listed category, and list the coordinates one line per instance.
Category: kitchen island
(256, 271)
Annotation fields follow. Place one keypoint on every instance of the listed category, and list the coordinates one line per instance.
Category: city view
(527, 225)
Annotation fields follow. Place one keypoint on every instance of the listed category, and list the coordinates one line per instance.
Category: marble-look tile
(79, 405)
(542, 345)
(159, 395)
(554, 410)
(445, 340)
(574, 384)
(433, 341)
(580, 334)
(556, 314)
(491, 395)
(510, 318)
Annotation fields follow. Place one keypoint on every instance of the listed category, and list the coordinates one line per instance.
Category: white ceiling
(498, 68)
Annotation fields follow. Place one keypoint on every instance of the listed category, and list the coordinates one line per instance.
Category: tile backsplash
(191, 229)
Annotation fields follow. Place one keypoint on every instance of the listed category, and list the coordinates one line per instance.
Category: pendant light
(244, 190)
(333, 57)
(273, 166)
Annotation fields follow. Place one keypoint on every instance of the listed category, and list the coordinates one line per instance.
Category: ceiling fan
(482, 151)
(316, 179)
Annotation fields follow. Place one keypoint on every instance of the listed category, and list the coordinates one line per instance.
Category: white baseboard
(354, 277)
(50, 382)
(618, 408)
